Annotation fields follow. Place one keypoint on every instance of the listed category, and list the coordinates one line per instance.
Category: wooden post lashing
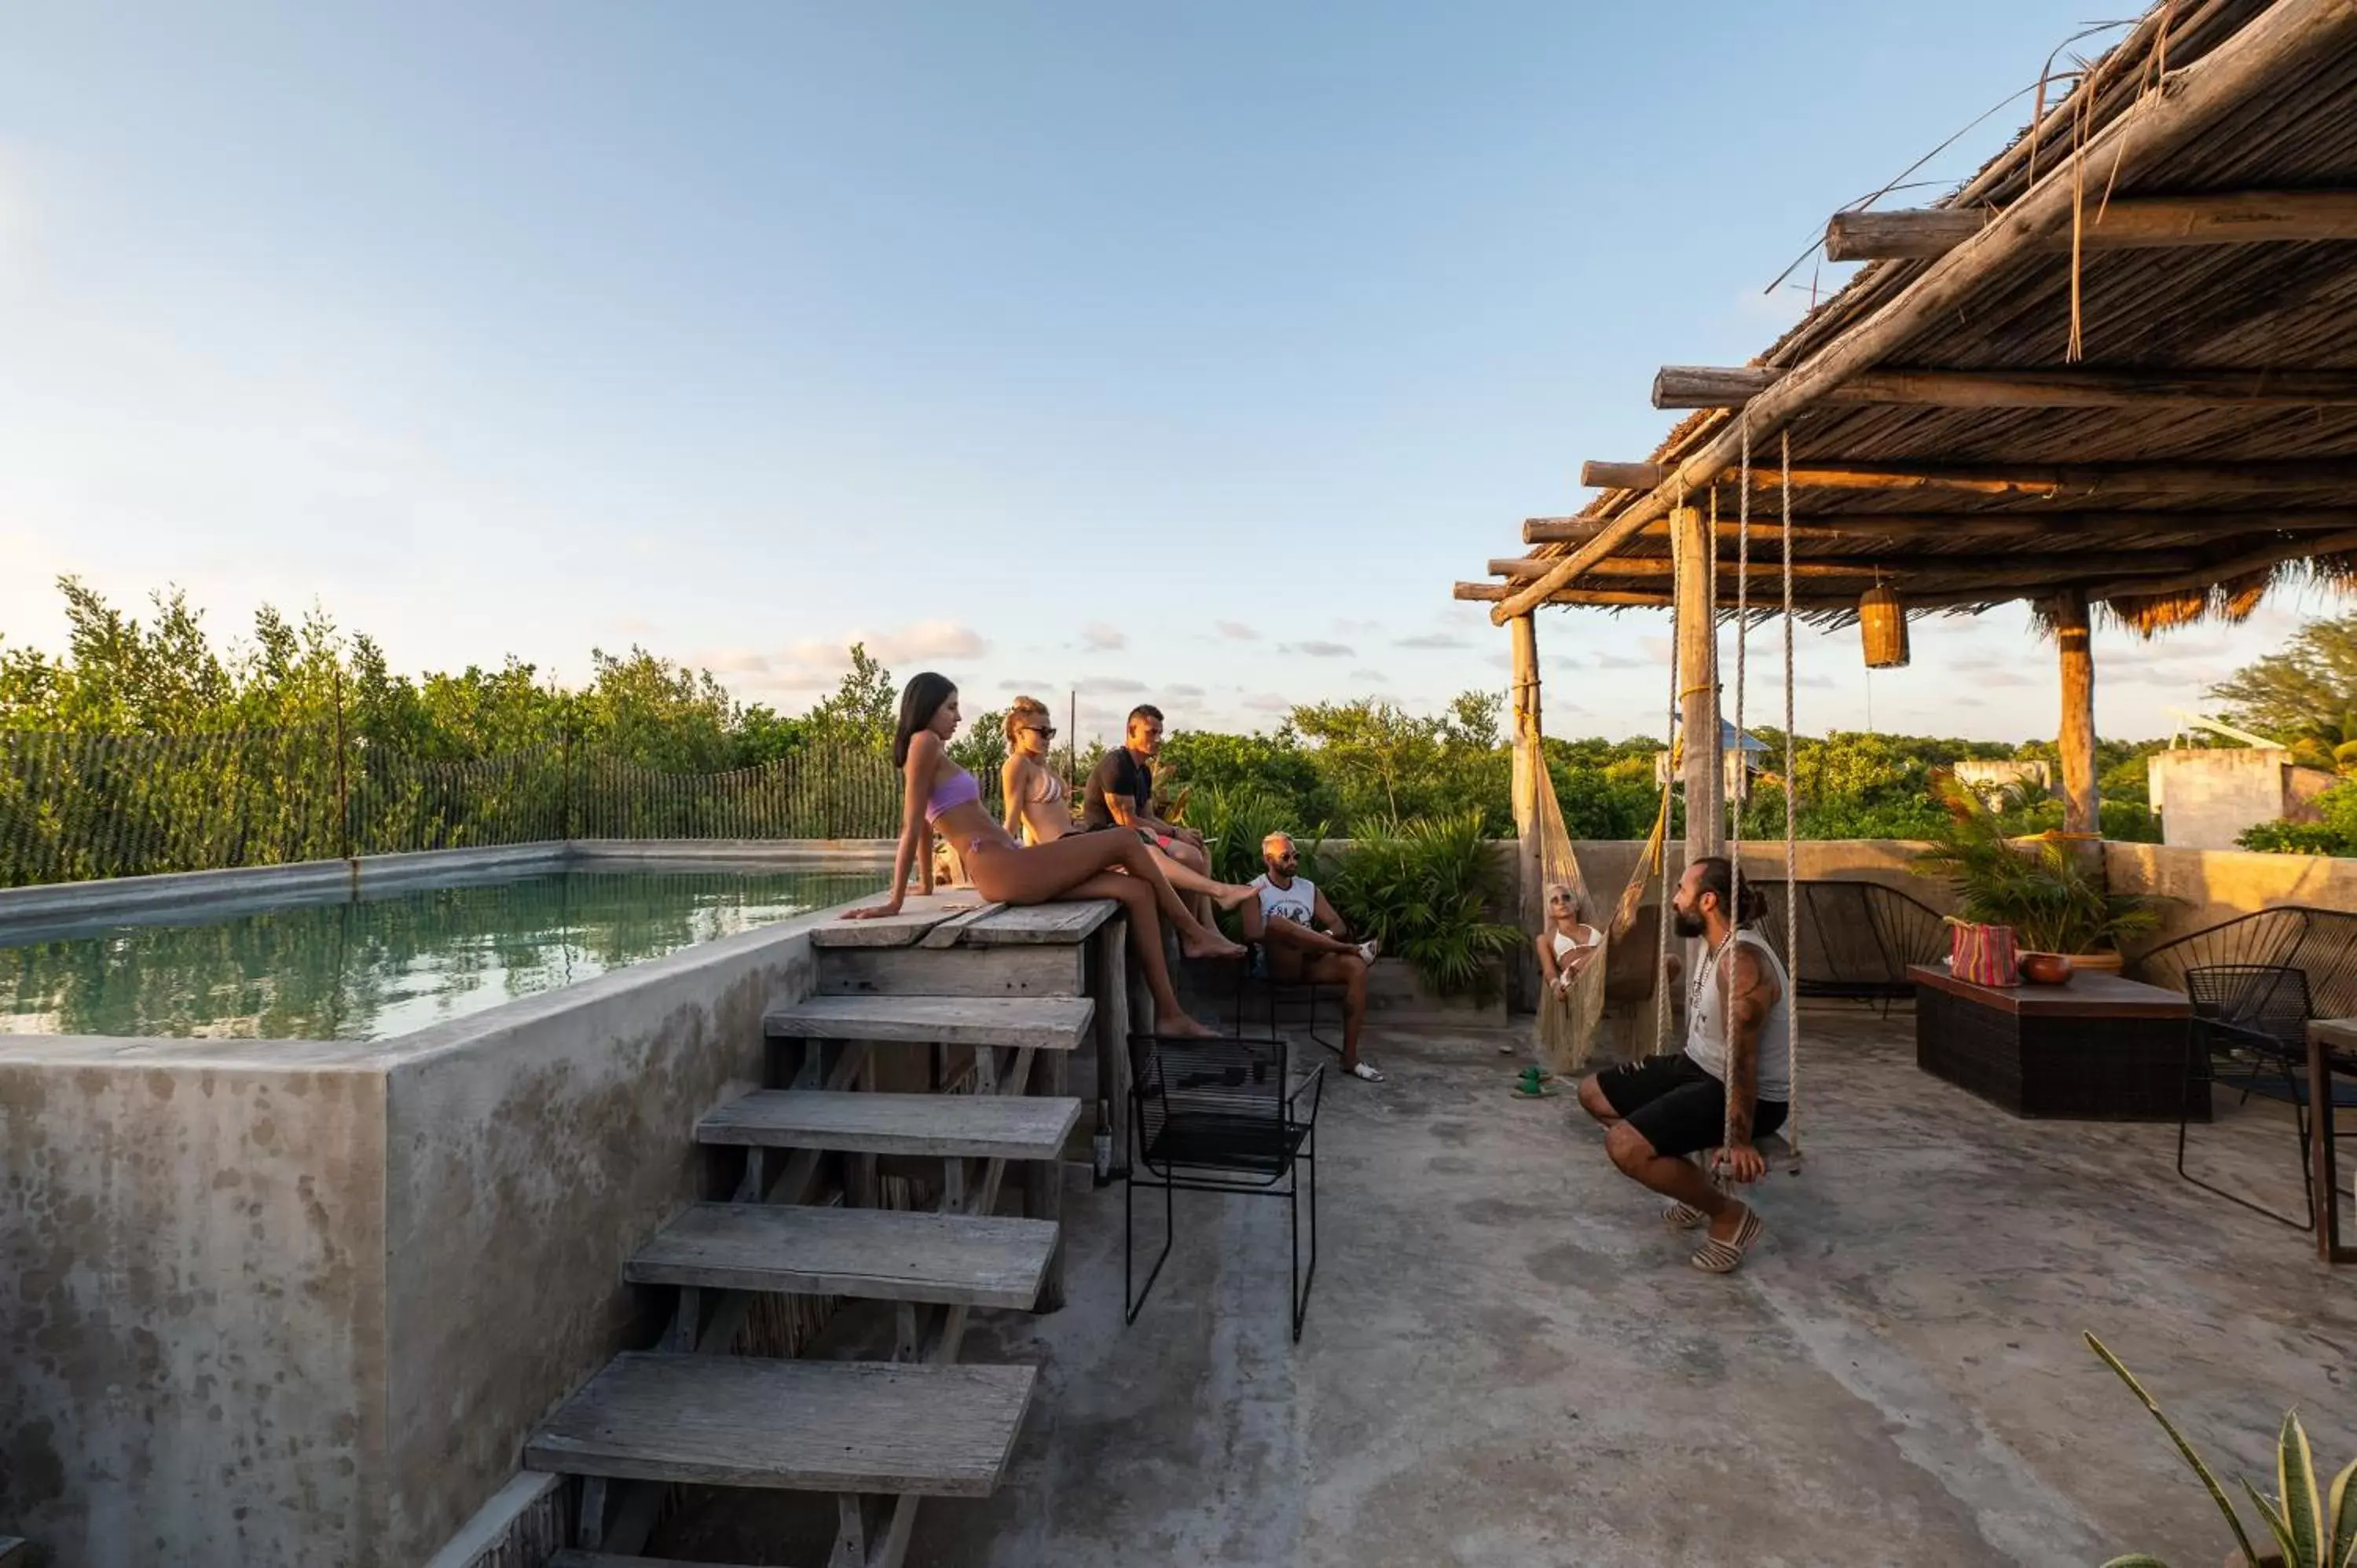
(1529, 756)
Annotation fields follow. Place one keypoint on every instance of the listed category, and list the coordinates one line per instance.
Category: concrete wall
(2203, 887)
(288, 1302)
(2207, 798)
(192, 1290)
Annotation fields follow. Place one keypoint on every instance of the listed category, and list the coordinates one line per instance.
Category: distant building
(1989, 778)
(2208, 796)
(1739, 760)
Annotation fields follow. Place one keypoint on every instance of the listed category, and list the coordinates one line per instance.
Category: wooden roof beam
(2006, 480)
(1814, 602)
(2285, 37)
(2217, 571)
(1830, 527)
(1708, 386)
(2125, 222)
(2077, 567)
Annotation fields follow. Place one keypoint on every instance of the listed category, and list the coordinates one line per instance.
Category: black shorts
(1678, 1107)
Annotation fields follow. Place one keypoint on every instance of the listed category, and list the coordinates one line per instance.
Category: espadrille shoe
(1717, 1257)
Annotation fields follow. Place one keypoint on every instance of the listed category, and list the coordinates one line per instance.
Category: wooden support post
(1698, 682)
(2081, 810)
(1043, 1186)
(1530, 866)
(1116, 1073)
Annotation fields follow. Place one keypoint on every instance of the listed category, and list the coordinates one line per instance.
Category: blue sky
(1186, 351)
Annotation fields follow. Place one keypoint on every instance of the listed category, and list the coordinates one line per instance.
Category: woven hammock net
(1567, 1020)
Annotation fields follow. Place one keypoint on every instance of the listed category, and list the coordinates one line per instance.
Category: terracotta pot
(2097, 962)
(2045, 968)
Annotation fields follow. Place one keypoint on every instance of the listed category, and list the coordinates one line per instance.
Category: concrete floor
(1508, 1361)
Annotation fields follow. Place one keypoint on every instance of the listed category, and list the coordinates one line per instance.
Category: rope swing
(1735, 826)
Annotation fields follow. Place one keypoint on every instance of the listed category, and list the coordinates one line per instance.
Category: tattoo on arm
(1752, 992)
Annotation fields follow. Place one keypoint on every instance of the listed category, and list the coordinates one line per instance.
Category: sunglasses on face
(1046, 732)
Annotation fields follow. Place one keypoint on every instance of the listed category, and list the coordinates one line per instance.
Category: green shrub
(1234, 821)
(1426, 888)
(2336, 834)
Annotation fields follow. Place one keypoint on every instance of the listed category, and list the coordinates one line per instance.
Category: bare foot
(1180, 1027)
(1206, 942)
(1236, 893)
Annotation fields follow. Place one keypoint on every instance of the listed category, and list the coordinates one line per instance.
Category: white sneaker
(1370, 948)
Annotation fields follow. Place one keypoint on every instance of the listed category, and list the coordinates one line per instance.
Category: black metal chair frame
(1883, 906)
(1183, 1141)
(2234, 1004)
(1256, 955)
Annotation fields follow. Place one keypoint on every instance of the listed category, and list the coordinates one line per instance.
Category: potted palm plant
(2043, 886)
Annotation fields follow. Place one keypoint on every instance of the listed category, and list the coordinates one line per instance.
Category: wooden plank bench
(877, 1254)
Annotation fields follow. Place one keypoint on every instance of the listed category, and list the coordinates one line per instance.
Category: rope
(1735, 829)
(1791, 835)
(1661, 822)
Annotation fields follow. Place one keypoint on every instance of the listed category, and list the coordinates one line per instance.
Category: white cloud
(1100, 637)
(1269, 702)
(1192, 694)
(1237, 630)
(1621, 661)
(1113, 686)
(1433, 639)
(1316, 647)
(815, 664)
(1377, 676)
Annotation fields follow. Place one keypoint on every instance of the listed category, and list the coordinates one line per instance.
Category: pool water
(376, 966)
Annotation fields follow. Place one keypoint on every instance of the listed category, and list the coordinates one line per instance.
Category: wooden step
(825, 1426)
(969, 1126)
(877, 1254)
(574, 1557)
(1041, 1023)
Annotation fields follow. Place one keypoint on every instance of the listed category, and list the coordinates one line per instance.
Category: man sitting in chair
(1306, 943)
(1664, 1109)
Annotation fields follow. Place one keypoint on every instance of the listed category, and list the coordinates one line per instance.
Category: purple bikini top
(951, 792)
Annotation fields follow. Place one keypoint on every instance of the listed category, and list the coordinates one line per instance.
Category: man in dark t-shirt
(1120, 796)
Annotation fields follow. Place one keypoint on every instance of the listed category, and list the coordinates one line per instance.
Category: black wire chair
(2250, 1033)
(1254, 970)
(1224, 1116)
(1857, 938)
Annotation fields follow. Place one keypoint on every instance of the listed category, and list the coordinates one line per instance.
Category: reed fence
(80, 806)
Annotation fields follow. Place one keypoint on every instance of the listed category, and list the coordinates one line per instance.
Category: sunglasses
(1046, 730)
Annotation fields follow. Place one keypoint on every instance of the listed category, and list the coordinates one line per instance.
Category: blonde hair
(1578, 908)
(1020, 709)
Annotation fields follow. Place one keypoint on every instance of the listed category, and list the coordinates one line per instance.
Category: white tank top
(1707, 1023)
(1297, 903)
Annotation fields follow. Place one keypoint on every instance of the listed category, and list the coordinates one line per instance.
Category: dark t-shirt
(1118, 773)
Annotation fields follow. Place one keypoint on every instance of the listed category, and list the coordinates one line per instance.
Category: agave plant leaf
(2137, 1559)
(2276, 1527)
(2303, 1505)
(2217, 1492)
(2340, 1518)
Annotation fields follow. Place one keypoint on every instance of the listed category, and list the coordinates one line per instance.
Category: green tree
(2305, 694)
(865, 708)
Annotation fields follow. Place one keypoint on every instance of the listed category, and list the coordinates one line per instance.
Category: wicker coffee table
(2094, 1049)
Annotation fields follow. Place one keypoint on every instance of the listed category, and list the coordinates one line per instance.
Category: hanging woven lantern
(1883, 623)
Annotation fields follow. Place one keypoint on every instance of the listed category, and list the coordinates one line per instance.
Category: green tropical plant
(1426, 888)
(1233, 821)
(2039, 887)
(2311, 1529)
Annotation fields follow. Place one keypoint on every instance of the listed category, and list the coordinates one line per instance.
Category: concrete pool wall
(291, 1302)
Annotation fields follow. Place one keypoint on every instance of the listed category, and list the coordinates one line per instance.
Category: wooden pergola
(2115, 372)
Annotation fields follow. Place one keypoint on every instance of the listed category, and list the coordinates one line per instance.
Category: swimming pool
(381, 964)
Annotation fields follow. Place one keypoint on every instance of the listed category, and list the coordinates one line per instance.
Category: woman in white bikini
(1037, 809)
(1565, 950)
(938, 793)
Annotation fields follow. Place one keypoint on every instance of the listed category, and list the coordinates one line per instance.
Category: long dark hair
(1739, 900)
(920, 700)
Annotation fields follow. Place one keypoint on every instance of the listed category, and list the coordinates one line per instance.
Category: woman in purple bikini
(1081, 866)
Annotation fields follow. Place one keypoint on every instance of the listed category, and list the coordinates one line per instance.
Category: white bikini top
(1564, 944)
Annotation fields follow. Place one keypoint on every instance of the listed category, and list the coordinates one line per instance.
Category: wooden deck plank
(920, 913)
(960, 971)
(1041, 1023)
(827, 1426)
(1031, 924)
(875, 1254)
(970, 1126)
(947, 933)
(574, 1557)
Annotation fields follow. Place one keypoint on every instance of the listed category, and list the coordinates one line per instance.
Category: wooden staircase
(805, 1219)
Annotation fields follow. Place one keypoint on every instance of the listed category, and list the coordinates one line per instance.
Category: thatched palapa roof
(2120, 361)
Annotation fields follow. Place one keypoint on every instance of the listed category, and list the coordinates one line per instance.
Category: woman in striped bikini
(941, 794)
